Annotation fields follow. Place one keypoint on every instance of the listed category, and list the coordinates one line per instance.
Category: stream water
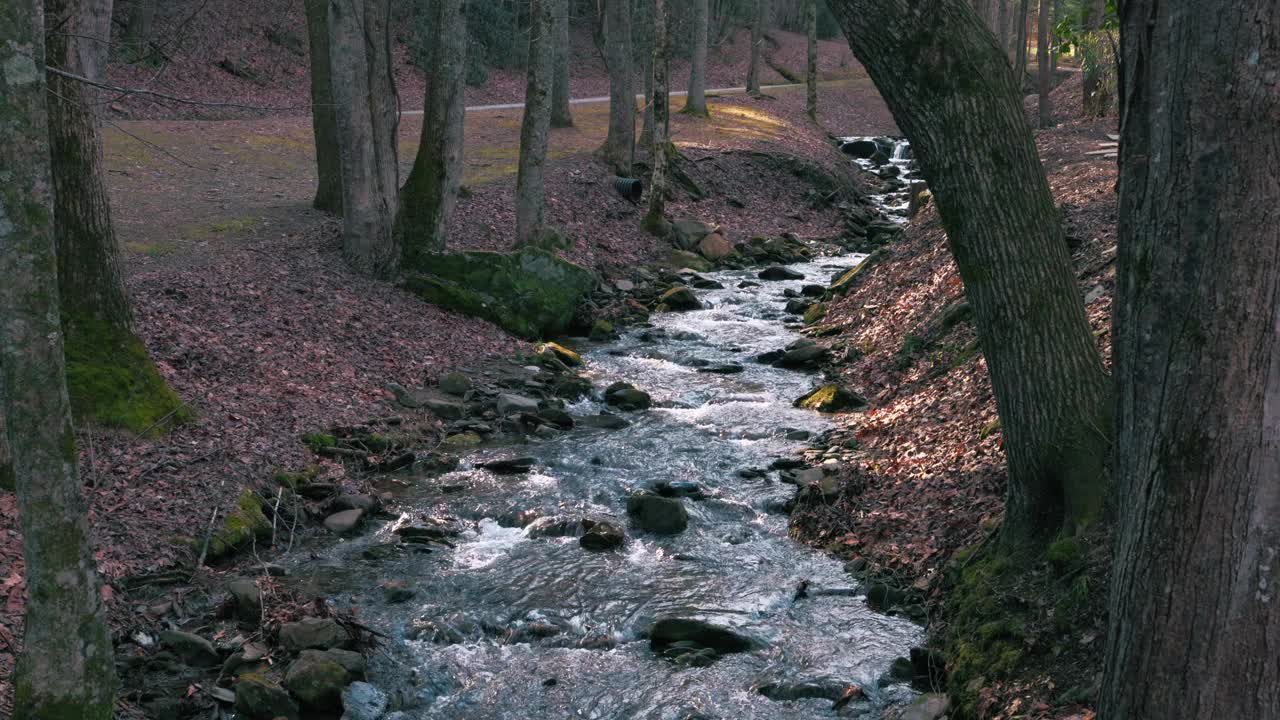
(524, 626)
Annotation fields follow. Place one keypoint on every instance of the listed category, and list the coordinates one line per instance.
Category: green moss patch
(112, 382)
(243, 524)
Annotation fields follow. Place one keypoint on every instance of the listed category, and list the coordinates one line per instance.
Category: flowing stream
(526, 626)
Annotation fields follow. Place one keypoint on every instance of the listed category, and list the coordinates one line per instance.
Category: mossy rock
(530, 293)
(243, 524)
(680, 259)
(815, 313)
(602, 330)
(831, 398)
(847, 279)
(551, 239)
(112, 381)
(559, 352)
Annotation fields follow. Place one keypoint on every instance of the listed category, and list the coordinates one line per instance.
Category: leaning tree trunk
(811, 68)
(364, 94)
(531, 201)
(428, 197)
(560, 91)
(974, 143)
(66, 668)
(696, 102)
(757, 40)
(324, 120)
(1044, 67)
(1195, 591)
(619, 144)
(110, 378)
(660, 100)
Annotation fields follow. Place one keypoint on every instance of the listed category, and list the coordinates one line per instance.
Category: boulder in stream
(509, 466)
(313, 634)
(778, 272)
(317, 681)
(602, 535)
(260, 699)
(669, 631)
(831, 398)
(805, 356)
(679, 299)
(625, 396)
(657, 514)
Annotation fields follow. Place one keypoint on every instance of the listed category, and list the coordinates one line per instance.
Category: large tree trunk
(974, 143)
(696, 102)
(428, 197)
(646, 71)
(1194, 615)
(1044, 67)
(560, 92)
(94, 48)
(324, 119)
(619, 144)
(110, 378)
(660, 100)
(137, 32)
(1020, 66)
(811, 73)
(368, 115)
(757, 43)
(1004, 24)
(66, 669)
(531, 198)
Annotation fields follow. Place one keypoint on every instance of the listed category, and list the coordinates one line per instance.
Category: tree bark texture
(660, 99)
(696, 102)
(757, 43)
(561, 117)
(811, 74)
(1094, 105)
(1020, 67)
(646, 71)
(324, 119)
(1003, 24)
(619, 144)
(137, 32)
(951, 91)
(1044, 67)
(368, 116)
(429, 195)
(531, 201)
(66, 669)
(1195, 591)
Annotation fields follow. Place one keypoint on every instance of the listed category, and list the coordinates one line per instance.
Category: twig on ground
(204, 549)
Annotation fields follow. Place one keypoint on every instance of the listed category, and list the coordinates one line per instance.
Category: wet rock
(442, 405)
(929, 666)
(704, 283)
(625, 396)
(260, 699)
(831, 398)
(679, 299)
(752, 473)
(561, 353)
(397, 591)
(344, 522)
(901, 670)
(317, 681)
(605, 421)
(782, 691)
(191, 648)
(929, 706)
(313, 634)
(247, 598)
(555, 526)
(787, 464)
(364, 503)
(463, 439)
(726, 369)
(556, 417)
(747, 284)
(602, 535)
(813, 291)
(862, 148)
(668, 631)
(778, 272)
(657, 514)
(403, 396)
(715, 247)
(806, 356)
(510, 404)
(362, 701)
(797, 306)
(352, 661)
(509, 466)
(454, 383)
(681, 259)
(798, 435)
(681, 489)
(687, 232)
(429, 530)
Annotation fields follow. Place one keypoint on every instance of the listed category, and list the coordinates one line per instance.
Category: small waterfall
(901, 151)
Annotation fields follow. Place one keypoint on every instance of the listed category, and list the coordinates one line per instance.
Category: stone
(625, 396)
(680, 259)
(362, 701)
(509, 404)
(929, 706)
(657, 514)
(705, 283)
(561, 353)
(862, 148)
(778, 272)
(813, 291)
(687, 233)
(815, 313)
(352, 501)
(831, 398)
(771, 357)
(807, 356)
(602, 535)
(680, 489)
(259, 699)
(797, 435)
(191, 648)
(313, 634)
(605, 421)
(669, 631)
(247, 598)
(602, 330)
(714, 247)
(680, 299)
(352, 661)
(797, 306)
(397, 591)
(509, 466)
(454, 383)
(464, 439)
(726, 369)
(344, 522)
(316, 681)
(244, 523)
(441, 404)
(531, 293)
(403, 396)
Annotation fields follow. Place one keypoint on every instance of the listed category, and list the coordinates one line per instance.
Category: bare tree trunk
(324, 119)
(137, 32)
(1095, 15)
(110, 378)
(7, 479)
(757, 42)
(646, 71)
(1044, 67)
(66, 669)
(429, 195)
(560, 115)
(619, 144)
(811, 75)
(94, 48)
(1003, 23)
(531, 198)
(1020, 67)
(1053, 39)
(1197, 349)
(368, 115)
(696, 102)
(972, 138)
(660, 99)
